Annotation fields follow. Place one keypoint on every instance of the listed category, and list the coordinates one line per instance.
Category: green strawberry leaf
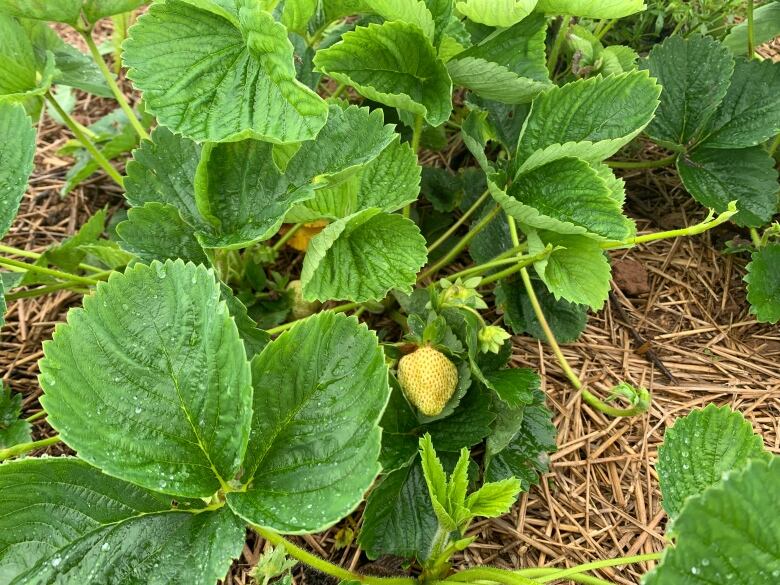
(49, 503)
(389, 182)
(162, 170)
(728, 534)
(13, 429)
(394, 64)
(157, 231)
(467, 425)
(163, 545)
(566, 319)
(515, 389)
(577, 270)
(155, 357)
(500, 13)
(589, 118)
(494, 499)
(519, 48)
(351, 138)
(694, 74)
(591, 8)
(716, 176)
(763, 283)
(296, 14)
(398, 519)
(699, 449)
(493, 81)
(527, 455)
(566, 196)
(241, 194)
(319, 391)
(211, 75)
(17, 150)
(68, 11)
(411, 11)
(362, 257)
(750, 111)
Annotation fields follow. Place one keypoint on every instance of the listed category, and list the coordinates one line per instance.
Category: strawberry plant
(208, 388)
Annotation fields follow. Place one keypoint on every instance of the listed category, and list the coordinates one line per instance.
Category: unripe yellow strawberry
(428, 379)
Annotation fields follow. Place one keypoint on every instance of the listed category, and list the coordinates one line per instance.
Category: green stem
(86, 142)
(36, 416)
(35, 255)
(642, 164)
(750, 37)
(525, 261)
(755, 238)
(606, 29)
(452, 254)
(584, 579)
(118, 95)
(567, 573)
(47, 271)
(287, 235)
(23, 448)
(416, 134)
(461, 220)
(338, 91)
(587, 396)
(490, 574)
(708, 223)
(44, 290)
(285, 326)
(552, 61)
(326, 566)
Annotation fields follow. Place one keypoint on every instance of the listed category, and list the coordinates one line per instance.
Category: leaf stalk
(23, 448)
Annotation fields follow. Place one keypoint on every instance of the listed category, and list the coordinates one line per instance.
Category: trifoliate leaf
(566, 196)
(362, 257)
(49, 503)
(241, 194)
(766, 26)
(716, 176)
(398, 519)
(527, 455)
(321, 388)
(467, 425)
(411, 11)
(566, 319)
(591, 8)
(694, 74)
(699, 449)
(157, 231)
(17, 149)
(590, 118)
(13, 429)
(493, 81)
(351, 137)
(750, 111)
(394, 64)
(388, 182)
(519, 48)
(210, 77)
(763, 278)
(198, 548)
(68, 11)
(728, 534)
(500, 13)
(149, 381)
